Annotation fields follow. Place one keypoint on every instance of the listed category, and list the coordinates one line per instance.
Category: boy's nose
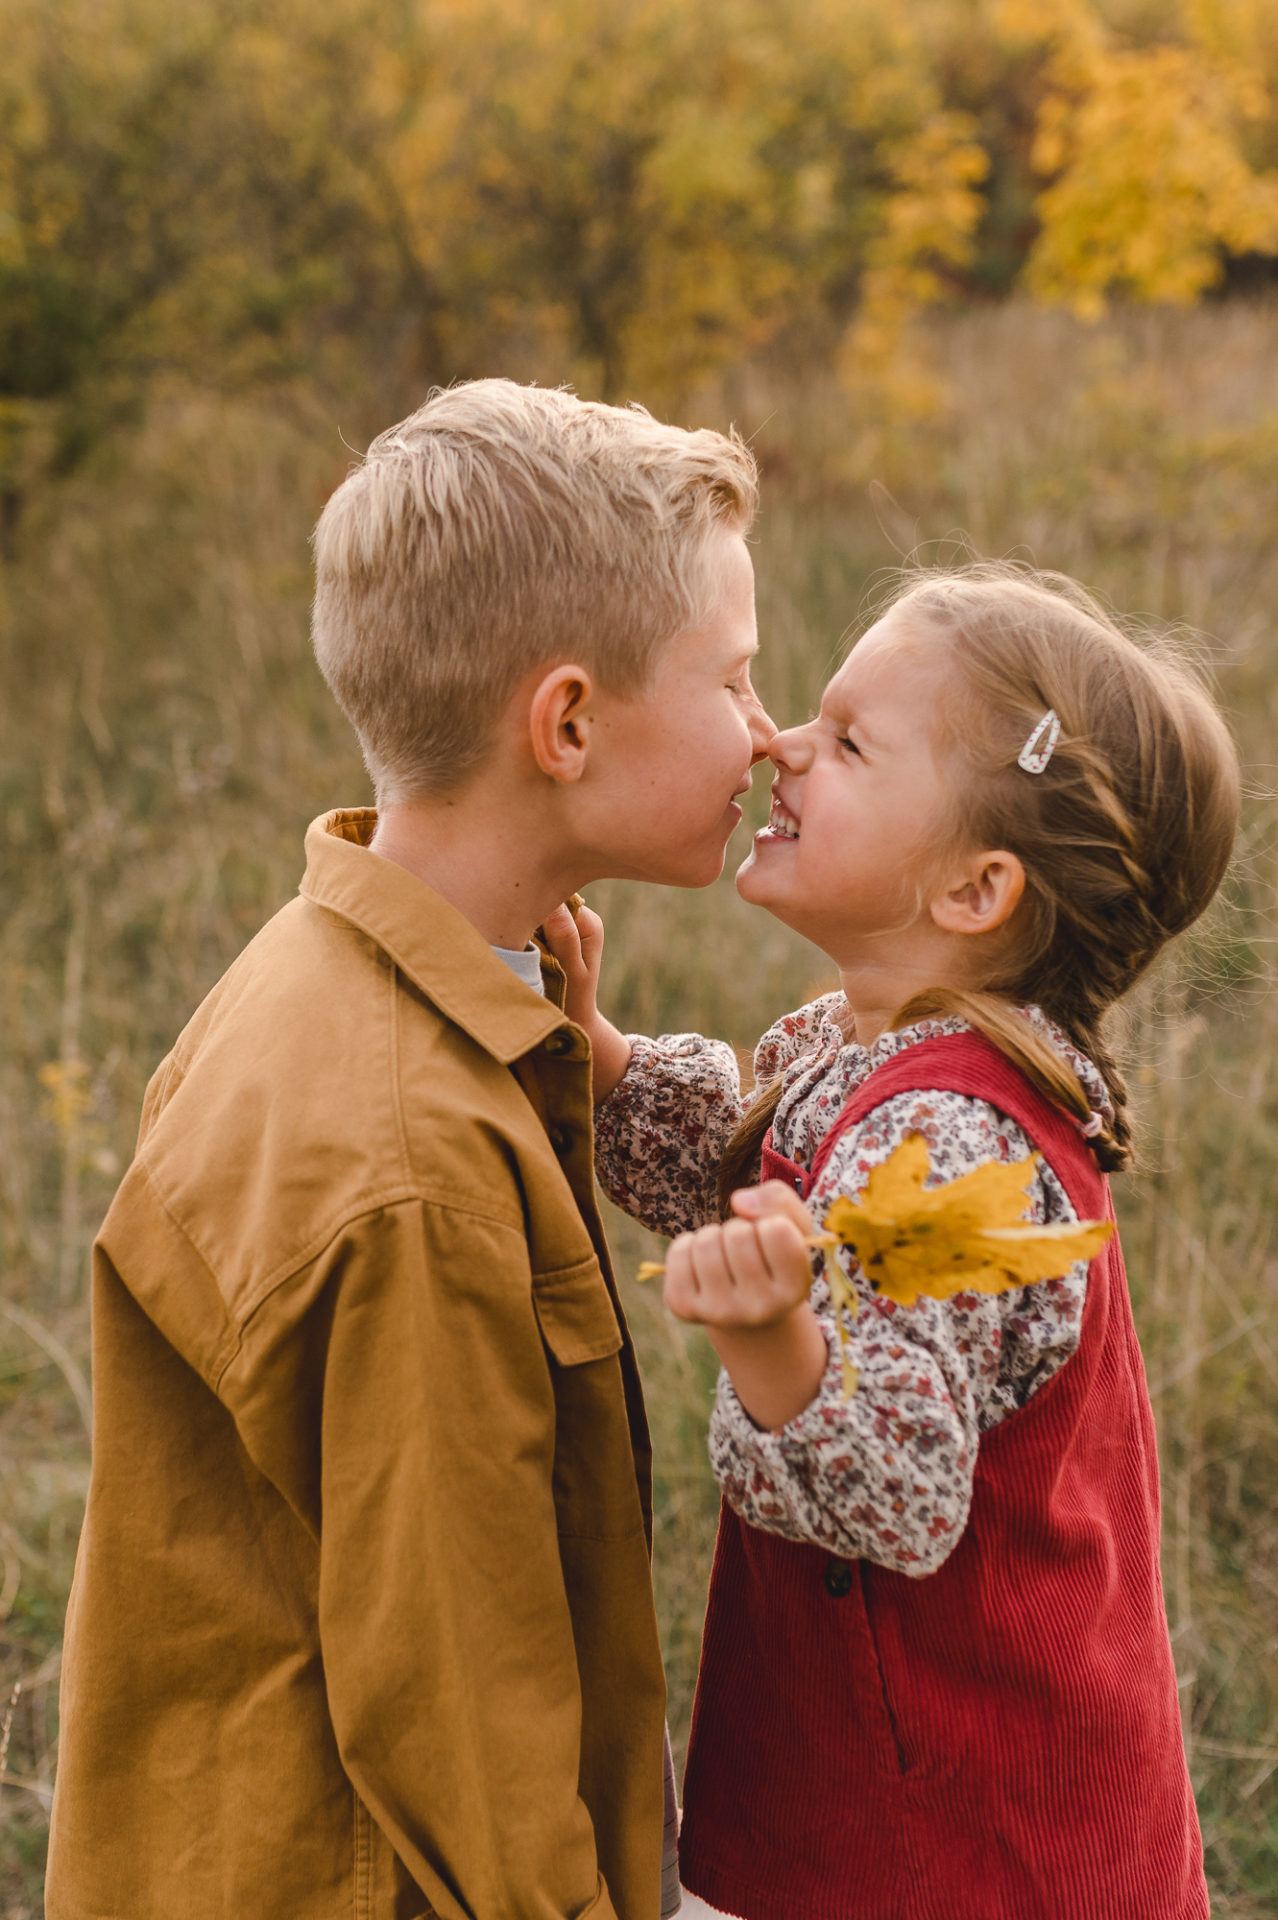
(763, 729)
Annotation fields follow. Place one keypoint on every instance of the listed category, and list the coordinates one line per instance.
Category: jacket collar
(437, 947)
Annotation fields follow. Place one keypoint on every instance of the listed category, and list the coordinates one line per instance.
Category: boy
(362, 1621)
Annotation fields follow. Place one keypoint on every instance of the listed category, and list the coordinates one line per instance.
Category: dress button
(561, 1140)
(558, 1041)
(838, 1578)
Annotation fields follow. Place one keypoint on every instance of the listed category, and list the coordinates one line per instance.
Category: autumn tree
(627, 194)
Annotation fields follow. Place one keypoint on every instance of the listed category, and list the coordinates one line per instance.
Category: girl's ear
(981, 895)
(559, 722)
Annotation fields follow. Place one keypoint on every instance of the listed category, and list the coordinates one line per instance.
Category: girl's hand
(747, 1281)
(576, 941)
(749, 1272)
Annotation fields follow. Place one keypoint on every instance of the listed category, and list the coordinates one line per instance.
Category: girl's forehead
(897, 655)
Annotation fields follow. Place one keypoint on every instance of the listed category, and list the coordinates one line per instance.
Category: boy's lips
(733, 808)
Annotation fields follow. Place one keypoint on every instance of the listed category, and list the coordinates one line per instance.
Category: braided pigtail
(1113, 1144)
(739, 1166)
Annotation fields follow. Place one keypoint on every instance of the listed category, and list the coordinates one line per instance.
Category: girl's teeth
(780, 823)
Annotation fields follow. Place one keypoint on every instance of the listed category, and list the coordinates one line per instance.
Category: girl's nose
(791, 750)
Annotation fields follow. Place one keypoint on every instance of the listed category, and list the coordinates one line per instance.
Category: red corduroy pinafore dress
(999, 1740)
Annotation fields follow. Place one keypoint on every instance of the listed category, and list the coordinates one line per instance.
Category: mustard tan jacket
(362, 1622)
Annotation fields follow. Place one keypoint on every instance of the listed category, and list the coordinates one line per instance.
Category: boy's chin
(691, 871)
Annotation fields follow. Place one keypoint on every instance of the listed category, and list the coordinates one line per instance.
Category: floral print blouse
(886, 1475)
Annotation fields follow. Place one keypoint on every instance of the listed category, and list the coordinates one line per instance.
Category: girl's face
(861, 816)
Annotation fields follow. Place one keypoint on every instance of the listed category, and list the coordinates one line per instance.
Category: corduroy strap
(970, 1064)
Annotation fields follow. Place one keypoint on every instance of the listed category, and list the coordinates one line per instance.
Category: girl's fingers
(577, 944)
(680, 1291)
(774, 1199)
(590, 933)
(784, 1247)
(699, 1285)
(738, 1274)
(563, 937)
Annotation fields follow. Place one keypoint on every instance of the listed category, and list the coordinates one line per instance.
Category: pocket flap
(575, 1314)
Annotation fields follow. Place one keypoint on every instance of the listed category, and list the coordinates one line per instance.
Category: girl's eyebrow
(847, 721)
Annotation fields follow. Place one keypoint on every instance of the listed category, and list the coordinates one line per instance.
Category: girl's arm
(664, 1109)
(576, 940)
(886, 1475)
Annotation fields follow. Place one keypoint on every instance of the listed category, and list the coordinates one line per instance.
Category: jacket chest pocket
(595, 1487)
(575, 1314)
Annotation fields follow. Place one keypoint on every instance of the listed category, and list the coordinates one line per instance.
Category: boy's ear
(559, 722)
(981, 895)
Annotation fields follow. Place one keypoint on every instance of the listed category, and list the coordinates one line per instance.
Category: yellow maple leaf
(968, 1236)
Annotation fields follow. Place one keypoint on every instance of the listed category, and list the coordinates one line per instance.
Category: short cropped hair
(498, 527)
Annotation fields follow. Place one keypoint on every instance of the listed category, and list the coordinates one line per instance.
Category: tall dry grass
(165, 739)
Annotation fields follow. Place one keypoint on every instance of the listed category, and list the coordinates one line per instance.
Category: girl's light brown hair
(1124, 836)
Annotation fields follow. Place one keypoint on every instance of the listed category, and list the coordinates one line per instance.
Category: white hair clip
(1041, 745)
(1093, 1125)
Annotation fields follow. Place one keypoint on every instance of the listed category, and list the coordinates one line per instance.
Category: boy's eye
(851, 745)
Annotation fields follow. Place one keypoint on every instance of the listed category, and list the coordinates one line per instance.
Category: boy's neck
(478, 854)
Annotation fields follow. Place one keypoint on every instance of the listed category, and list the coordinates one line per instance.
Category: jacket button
(838, 1578)
(558, 1042)
(561, 1139)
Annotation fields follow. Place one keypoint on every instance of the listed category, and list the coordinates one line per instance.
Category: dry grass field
(164, 739)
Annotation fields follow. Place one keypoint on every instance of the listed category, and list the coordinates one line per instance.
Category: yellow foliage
(628, 195)
(928, 222)
(67, 1097)
(1150, 184)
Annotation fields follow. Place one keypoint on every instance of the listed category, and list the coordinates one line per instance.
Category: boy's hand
(576, 941)
(747, 1281)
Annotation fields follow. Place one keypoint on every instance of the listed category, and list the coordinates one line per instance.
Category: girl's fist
(751, 1271)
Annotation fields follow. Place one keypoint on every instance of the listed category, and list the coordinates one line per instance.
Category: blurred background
(988, 273)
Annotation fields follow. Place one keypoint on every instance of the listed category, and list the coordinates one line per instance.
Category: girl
(936, 1681)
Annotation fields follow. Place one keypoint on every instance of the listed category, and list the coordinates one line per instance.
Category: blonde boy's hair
(498, 527)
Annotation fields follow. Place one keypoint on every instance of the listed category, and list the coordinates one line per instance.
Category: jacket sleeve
(445, 1627)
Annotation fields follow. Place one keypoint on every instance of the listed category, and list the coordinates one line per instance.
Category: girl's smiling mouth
(782, 824)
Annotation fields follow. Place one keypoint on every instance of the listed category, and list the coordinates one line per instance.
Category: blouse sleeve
(660, 1134)
(662, 1131)
(886, 1475)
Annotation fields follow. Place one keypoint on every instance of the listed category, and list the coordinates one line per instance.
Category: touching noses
(763, 729)
(791, 751)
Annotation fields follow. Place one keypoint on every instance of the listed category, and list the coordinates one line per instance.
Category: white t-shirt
(526, 965)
